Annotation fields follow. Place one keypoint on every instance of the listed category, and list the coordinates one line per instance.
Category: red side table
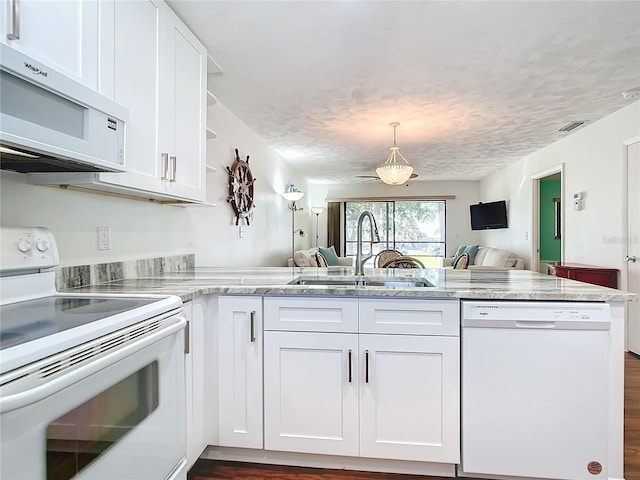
(607, 277)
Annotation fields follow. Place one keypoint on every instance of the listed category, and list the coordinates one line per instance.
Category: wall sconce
(292, 195)
(317, 211)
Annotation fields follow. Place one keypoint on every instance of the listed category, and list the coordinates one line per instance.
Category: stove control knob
(42, 245)
(24, 246)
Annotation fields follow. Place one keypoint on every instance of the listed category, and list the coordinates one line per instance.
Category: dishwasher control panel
(571, 315)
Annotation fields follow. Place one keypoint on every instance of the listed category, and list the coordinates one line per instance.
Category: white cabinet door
(311, 399)
(139, 46)
(240, 371)
(410, 398)
(195, 379)
(157, 69)
(63, 35)
(184, 111)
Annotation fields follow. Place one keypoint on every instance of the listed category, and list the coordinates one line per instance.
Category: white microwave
(51, 123)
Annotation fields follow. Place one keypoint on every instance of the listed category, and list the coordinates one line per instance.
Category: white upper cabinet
(152, 64)
(160, 75)
(137, 52)
(184, 111)
(64, 35)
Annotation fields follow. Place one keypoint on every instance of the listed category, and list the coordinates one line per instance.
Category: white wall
(592, 159)
(138, 229)
(458, 222)
(267, 241)
(142, 230)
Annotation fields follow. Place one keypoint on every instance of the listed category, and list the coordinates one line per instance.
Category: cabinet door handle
(350, 366)
(165, 166)
(14, 34)
(174, 165)
(366, 366)
(187, 345)
(253, 326)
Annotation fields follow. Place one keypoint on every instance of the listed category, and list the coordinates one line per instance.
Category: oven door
(119, 415)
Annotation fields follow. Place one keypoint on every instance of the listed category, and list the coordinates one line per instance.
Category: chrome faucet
(375, 238)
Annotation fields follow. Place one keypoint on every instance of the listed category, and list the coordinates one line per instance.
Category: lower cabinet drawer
(410, 317)
(304, 314)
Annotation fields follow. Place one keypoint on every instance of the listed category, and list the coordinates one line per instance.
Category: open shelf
(211, 134)
(213, 66)
(211, 99)
(211, 169)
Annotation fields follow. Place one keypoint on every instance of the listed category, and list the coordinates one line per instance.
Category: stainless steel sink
(397, 282)
(406, 282)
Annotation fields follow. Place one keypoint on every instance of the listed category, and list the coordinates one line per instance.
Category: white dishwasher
(535, 389)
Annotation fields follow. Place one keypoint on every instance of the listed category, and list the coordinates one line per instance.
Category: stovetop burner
(8, 339)
(29, 320)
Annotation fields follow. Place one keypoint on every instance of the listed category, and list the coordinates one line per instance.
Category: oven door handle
(37, 393)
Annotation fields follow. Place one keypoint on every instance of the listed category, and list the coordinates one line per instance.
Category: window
(413, 227)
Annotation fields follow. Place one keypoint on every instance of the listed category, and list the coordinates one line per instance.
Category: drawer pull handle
(366, 366)
(253, 326)
(174, 166)
(14, 34)
(165, 166)
(187, 342)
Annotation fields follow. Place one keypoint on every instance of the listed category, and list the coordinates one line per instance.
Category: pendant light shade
(393, 172)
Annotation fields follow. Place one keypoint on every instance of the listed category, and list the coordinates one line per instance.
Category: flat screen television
(485, 216)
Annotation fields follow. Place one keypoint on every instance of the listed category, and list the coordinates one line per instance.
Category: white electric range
(91, 386)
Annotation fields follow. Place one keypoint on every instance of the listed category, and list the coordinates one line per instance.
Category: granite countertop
(496, 285)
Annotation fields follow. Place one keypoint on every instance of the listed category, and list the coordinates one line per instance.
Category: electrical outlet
(104, 238)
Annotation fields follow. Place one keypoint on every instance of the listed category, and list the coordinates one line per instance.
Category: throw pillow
(500, 258)
(330, 256)
(320, 259)
(301, 258)
(462, 262)
(471, 250)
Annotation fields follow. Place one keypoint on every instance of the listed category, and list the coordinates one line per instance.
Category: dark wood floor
(210, 470)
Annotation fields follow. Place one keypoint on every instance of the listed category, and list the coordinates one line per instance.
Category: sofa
(309, 258)
(489, 258)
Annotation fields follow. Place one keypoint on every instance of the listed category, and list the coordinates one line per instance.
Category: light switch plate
(104, 238)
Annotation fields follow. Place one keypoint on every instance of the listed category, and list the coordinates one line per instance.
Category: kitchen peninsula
(340, 375)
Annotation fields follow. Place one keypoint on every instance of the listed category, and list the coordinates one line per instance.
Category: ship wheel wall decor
(241, 188)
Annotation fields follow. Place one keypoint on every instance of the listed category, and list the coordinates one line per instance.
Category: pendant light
(392, 172)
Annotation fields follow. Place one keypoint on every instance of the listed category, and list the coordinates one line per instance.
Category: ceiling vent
(571, 126)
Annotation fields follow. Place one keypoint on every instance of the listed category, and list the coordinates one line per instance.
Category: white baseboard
(329, 461)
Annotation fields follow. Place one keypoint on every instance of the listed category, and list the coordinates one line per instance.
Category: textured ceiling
(475, 85)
